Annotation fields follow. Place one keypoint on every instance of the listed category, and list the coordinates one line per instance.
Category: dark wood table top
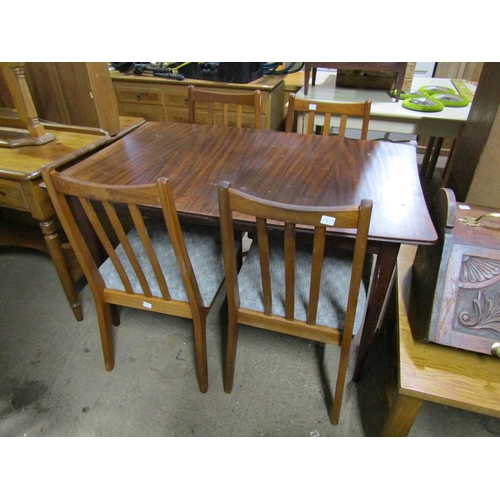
(284, 167)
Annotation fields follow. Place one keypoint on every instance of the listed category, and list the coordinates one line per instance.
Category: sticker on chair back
(312, 107)
(147, 305)
(327, 220)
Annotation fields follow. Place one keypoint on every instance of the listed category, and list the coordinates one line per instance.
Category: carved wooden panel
(469, 312)
(456, 287)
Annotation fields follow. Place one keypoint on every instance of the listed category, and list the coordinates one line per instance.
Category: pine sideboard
(164, 100)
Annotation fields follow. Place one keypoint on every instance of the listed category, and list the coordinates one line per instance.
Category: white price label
(327, 220)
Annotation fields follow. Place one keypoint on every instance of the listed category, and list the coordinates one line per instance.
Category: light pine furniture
(342, 110)
(74, 93)
(430, 372)
(20, 191)
(322, 297)
(164, 100)
(17, 110)
(311, 170)
(157, 266)
(221, 108)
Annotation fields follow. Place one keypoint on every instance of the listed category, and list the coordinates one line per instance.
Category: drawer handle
(139, 97)
(472, 222)
(495, 349)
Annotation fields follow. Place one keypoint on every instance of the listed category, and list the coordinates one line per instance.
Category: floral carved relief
(485, 313)
(478, 300)
(478, 272)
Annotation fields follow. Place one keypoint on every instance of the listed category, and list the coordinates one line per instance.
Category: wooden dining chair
(229, 106)
(293, 284)
(150, 263)
(342, 110)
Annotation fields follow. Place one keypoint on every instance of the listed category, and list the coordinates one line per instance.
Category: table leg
(427, 155)
(381, 281)
(429, 171)
(402, 414)
(400, 78)
(307, 72)
(431, 156)
(56, 253)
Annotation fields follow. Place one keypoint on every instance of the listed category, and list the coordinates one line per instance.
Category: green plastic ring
(436, 89)
(423, 104)
(409, 93)
(451, 100)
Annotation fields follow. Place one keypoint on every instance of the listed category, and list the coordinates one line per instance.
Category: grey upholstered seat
(335, 282)
(204, 248)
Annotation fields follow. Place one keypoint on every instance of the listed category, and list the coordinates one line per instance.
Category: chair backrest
(112, 213)
(342, 109)
(227, 104)
(316, 219)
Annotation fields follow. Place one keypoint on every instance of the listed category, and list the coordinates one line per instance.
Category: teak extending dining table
(284, 167)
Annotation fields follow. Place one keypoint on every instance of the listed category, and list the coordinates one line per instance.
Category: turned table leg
(56, 252)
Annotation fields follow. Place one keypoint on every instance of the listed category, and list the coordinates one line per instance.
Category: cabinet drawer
(175, 96)
(139, 95)
(11, 195)
(178, 115)
(150, 113)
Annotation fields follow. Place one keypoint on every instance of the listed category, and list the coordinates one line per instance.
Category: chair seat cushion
(205, 251)
(334, 289)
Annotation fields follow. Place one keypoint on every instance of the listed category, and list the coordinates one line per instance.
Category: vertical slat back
(353, 217)
(265, 267)
(211, 114)
(342, 109)
(257, 109)
(110, 213)
(316, 268)
(239, 115)
(225, 114)
(289, 253)
(310, 122)
(235, 100)
(150, 251)
(129, 252)
(343, 125)
(106, 242)
(326, 124)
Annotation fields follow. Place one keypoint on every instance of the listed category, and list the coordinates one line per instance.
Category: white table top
(387, 115)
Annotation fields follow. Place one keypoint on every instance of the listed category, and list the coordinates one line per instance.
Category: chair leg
(115, 315)
(340, 386)
(232, 341)
(200, 341)
(106, 332)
